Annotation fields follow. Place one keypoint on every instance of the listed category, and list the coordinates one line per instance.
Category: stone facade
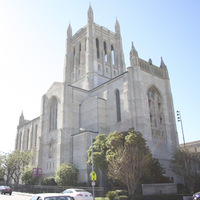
(99, 95)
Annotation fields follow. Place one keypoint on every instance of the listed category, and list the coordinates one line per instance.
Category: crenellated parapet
(152, 69)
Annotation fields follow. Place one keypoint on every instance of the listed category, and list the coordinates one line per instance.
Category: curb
(21, 193)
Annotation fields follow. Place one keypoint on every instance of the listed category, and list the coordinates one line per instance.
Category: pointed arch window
(74, 57)
(20, 140)
(53, 114)
(97, 47)
(112, 55)
(23, 140)
(27, 139)
(79, 59)
(155, 112)
(36, 127)
(85, 44)
(105, 52)
(118, 106)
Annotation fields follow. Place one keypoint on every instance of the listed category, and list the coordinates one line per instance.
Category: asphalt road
(15, 196)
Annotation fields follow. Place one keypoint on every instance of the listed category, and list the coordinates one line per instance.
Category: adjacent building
(193, 147)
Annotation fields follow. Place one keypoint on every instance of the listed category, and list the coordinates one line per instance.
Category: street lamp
(180, 120)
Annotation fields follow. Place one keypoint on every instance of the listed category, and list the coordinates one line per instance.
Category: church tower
(94, 55)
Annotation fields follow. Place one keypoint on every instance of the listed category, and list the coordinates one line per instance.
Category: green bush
(49, 181)
(111, 195)
(122, 197)
(27, 176)
(121, 192)
(66, 175)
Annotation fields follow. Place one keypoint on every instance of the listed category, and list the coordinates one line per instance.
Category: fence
(99, 191)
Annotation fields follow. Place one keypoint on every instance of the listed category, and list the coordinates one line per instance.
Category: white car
(51, 196)
(79, 194)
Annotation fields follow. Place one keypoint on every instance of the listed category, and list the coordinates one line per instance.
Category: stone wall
(163, 188)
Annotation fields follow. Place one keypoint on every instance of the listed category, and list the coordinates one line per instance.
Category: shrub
(27, 176)
(111, 195)
(122, 197)
(49, 181)
(66, 175)
(121, 192)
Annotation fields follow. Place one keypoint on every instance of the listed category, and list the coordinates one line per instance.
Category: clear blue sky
(32, 50)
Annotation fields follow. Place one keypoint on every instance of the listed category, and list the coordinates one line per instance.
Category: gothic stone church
(99, 95)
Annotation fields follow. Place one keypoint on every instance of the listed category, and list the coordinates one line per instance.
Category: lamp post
(180, 120)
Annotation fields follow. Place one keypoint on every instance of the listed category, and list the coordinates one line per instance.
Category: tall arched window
(112, 55)
(105, 52)
(20, 140)
(97, 47)
(27, 139)
(23, 141)
(155, 112)
(118, 106)
(85, 44)
(74, 57)
(79, 59)
(53, 114)
(36, 127)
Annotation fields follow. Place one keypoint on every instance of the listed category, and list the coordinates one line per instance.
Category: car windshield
(80, 190)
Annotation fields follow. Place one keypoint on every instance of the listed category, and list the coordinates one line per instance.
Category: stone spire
(90, 14)
(21, 119)
(134, 60)
(117, 26)
(69, 31)
(68, 56)
(162, 64)
(164, 67)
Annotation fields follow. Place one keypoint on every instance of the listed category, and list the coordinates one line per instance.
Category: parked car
(51, 196)
(5, 189)
(196, 196)
(79, 194)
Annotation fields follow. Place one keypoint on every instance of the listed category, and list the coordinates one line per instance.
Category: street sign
(93, 176)
(93, 183)
(34, 172)
(37, 172)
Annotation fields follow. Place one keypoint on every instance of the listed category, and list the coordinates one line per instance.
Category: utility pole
(180, 120)
(93, 174)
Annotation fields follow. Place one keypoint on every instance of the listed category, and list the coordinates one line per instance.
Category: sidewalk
(22, 193)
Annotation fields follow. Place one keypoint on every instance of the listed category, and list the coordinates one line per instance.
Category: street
(15, 196)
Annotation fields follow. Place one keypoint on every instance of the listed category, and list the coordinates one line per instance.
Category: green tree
(99, 159)
(27, 176)
(155, 173)
(7, 166)
(66, 175)
(1, 167)
(186, 164)
(99, 153)
(14, 163)
(21, 159)
(126, 159)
